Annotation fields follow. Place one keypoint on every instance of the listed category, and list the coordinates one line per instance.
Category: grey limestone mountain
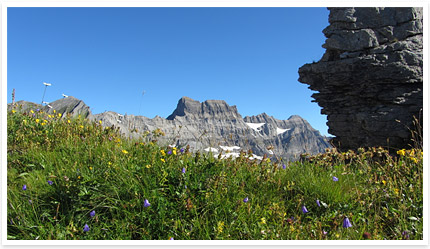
(210, 126)
(370, 79)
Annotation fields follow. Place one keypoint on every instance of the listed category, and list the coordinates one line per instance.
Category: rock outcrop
(69, 105)
(370, 79)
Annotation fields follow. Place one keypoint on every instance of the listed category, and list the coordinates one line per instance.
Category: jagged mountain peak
(217, 109)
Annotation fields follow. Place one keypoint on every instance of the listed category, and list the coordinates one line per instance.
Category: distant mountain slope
(211, 126)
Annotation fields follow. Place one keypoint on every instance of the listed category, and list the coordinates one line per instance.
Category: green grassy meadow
(71, 179)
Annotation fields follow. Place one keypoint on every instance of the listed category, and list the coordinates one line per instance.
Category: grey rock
(369, 81)
(214, 124)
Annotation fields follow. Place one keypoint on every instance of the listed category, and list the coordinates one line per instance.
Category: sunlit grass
(85, 181)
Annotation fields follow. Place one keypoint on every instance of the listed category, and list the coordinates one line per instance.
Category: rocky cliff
(370, 79)
(215, 126)
(210, 126)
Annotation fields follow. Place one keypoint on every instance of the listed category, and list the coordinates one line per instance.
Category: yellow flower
(148, 166)
(100, 122)
(220, 226)
(24, 121)
(162, 159)
(337, 235)
(54, 111)
(43, 123)
(81, 126)
(401, 152)
(13, 111)
(59, 115)
(396, 190)
(163, 153)
(109, 163)
(384, 182)
(124, 151)
(263, 220)
(68, 121)
(49, 116)
(174, 151)
(31, 111)
(37, 120)
(79, 177)
(414, 159)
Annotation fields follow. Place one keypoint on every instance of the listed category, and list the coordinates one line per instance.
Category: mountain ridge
(211, 125)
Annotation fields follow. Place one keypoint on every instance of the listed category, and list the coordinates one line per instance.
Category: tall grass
(71, 167)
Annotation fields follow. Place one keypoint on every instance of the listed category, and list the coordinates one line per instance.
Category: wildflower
(335, 179)
(91, 168)
(43, 123)
(220, 226)
(100, 122)
(182, 150)
(124, 151)
(31, 111)
(13, 111)
(50, 182)
(24, 187)
(68, 121)
(346, 223)
(92, 213)
(174, 151)
(148, 166)
(37, 110)
(366, 235)
(304, 210)
(384, 182)
(55, 111)
(163, 153)
(405, 235)
(59, 115)
(162, 159)
(146, 203)
(183, 170)
(81, 126)
(171, 238)
(414, 159)
(263, 220)
(396, 190)
(318, 203)
(284, 166)
(79, 177)
(324, 232)
(401, 152)
(37, 120)
(86, 228)
(246, 199)
(169, 152)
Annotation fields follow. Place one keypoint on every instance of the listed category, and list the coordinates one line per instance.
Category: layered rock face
(370, 79)
(214, 126)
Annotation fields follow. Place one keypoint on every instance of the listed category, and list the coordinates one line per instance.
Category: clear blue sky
(107, 57)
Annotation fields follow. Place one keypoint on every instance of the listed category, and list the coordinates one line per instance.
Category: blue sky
(107, 57)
